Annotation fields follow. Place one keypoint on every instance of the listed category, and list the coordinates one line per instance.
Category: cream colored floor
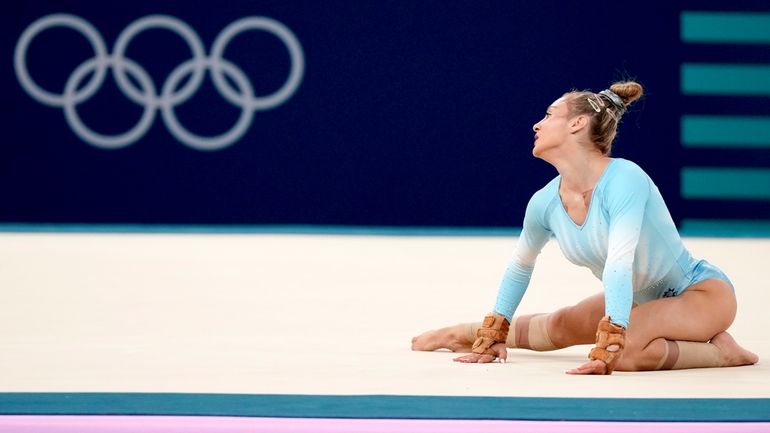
(299, 314)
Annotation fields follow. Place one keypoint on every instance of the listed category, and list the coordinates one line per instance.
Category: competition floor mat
(236, 332)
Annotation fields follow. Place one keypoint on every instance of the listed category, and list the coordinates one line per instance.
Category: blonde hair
(603, 110)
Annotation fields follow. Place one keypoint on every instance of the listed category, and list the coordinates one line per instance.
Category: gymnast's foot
(454, 338)
(733, 354)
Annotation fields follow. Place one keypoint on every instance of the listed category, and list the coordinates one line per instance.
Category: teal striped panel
(725, 131)
(725, 27)
(725, 79)
(726, 183)
(730, 228)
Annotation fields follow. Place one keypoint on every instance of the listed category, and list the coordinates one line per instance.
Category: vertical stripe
(522, 332)
(663, 358)
(672, 355)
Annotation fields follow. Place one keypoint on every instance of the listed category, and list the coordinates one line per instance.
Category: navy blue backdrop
(408, 113)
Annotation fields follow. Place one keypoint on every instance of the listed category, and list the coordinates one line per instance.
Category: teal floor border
(390, 407)
(689, 227)
(759, 228)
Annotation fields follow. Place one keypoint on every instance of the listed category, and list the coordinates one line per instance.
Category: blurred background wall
(368, 113)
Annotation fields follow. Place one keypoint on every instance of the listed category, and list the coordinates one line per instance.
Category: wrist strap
(493, 330)
(608, 334)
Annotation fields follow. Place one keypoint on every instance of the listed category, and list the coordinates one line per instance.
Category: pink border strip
(192, 424)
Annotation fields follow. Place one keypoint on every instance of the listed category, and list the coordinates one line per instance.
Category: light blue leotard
(628, 240)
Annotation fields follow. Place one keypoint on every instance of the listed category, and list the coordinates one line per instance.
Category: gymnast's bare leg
(687, 331)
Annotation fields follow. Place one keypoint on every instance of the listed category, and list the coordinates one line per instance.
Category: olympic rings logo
(146, 95)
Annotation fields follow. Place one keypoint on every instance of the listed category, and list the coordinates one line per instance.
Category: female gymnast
(660, 309)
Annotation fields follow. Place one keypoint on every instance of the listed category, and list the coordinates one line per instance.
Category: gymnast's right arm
(534, 235)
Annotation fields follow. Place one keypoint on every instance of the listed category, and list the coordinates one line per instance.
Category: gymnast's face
(552, 131)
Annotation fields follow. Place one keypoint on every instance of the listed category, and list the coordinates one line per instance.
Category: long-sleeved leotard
(628, 240)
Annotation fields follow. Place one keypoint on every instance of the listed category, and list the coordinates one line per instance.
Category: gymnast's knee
(566, 327)
(642, 358)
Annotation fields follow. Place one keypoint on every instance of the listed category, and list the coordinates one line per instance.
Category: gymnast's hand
(610, 341)
(483, 358)
(594, 366)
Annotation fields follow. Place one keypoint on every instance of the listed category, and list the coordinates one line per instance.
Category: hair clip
(594, 105)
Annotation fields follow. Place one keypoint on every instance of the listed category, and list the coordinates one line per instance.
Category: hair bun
(629, 91)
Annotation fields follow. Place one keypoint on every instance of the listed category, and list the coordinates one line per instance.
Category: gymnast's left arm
(625, 201)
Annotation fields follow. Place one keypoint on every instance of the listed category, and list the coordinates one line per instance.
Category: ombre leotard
(628, 240)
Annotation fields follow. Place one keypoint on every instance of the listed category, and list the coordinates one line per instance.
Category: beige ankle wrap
(689, 354)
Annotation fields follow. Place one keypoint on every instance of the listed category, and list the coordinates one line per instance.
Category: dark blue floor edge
(259, 229)
(390, 407)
